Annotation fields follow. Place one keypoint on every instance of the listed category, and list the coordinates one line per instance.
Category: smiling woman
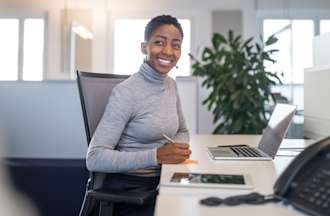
(129, 138)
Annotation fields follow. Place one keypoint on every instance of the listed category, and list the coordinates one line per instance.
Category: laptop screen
(276, 129)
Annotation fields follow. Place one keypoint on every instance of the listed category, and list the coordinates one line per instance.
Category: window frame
(21, 15)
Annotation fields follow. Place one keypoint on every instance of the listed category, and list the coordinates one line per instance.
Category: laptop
(270, 141)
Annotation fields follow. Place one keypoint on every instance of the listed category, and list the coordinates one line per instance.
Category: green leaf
(219, 128)
(258, 48)
(207, 54)
(246, 43)
(271, 40)
(217, 40)
(231, 36)
(237, 41)
(192, 57)
(237, 126)
(236, 94)
(273, 50)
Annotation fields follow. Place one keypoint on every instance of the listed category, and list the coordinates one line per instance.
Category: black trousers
(124, 182)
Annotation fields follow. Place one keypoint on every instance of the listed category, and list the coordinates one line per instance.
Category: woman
(129, 139)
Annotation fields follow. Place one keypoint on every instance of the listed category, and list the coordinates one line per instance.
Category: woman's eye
(160, 43)
(177, 46)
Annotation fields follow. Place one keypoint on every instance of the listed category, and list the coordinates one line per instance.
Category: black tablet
(210, 180)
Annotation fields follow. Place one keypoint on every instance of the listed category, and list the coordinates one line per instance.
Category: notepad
(189, 161)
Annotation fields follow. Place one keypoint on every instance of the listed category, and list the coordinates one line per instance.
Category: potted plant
(239, 84)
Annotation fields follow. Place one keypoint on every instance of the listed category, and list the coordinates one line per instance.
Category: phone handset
(296, 166)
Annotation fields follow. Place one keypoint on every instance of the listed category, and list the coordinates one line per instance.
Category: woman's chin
(164, 70)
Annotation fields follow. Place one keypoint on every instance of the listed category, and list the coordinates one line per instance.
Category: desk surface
(185, 201)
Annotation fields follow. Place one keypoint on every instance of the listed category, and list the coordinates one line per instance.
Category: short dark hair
(157, 21)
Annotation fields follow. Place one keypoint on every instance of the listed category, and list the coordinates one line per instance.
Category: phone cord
(251, 199)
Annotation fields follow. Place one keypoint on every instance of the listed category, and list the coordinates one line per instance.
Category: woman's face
(163, 49)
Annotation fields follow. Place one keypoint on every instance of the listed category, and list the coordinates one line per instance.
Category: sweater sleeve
(102, 155)
(183, 133)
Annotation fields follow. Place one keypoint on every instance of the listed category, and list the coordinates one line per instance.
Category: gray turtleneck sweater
(139, 110)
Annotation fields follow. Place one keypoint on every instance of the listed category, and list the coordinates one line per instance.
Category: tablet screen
(200, 178)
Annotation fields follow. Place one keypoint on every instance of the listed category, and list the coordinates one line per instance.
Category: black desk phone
(305, 184)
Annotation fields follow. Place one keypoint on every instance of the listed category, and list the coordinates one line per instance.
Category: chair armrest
(138, 198)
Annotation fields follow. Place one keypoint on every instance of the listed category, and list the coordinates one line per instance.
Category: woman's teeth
(163, 61)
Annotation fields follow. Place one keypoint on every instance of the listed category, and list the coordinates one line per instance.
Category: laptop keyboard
(246, 152)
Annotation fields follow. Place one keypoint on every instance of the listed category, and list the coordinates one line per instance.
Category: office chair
(94, 91)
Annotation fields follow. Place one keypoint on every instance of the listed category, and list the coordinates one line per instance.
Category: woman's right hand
(172, 153)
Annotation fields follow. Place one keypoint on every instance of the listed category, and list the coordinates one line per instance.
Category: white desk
(185, 201)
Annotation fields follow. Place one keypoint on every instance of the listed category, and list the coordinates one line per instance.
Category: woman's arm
(101, 155)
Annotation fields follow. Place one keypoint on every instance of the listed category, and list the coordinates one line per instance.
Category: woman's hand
(172, 153)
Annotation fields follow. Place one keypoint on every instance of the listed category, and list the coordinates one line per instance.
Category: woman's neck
(151, 74)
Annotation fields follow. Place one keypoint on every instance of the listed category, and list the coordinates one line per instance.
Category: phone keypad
(315, 192)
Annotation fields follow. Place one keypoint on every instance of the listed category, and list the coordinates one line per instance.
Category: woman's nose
(168, 50)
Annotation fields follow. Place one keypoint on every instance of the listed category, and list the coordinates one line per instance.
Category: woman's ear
(144, 48)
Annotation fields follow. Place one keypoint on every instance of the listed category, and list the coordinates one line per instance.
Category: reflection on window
(295, 45)
(324, 26)
(33, 49)
(129, 33)
(9, 31)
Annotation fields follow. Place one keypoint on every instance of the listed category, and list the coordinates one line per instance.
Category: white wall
(225, 20)
(41, 120)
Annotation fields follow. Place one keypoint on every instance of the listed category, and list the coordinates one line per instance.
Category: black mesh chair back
(95, 90)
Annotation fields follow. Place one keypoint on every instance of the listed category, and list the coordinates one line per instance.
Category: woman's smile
(164, 61)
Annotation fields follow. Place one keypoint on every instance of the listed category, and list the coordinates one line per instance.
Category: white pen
(167, 138)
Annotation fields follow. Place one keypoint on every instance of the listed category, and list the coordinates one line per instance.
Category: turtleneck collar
(151, 74)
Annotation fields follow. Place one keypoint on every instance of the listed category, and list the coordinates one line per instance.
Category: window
(324, 26)
(127, 46)
(22, 48)
(9, 30)
(294, 45)
(33, 49)
(295, 54)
